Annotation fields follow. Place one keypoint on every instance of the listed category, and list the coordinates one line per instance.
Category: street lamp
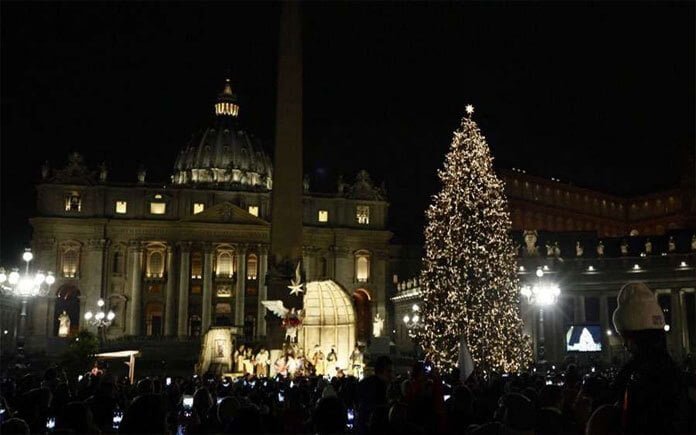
(100, 319)
(411, 323)
(25, 286)
(542, 294)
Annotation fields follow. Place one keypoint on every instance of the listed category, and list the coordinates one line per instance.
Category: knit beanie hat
(637, 309)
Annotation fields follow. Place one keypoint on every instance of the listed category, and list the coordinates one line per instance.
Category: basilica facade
(173, 259)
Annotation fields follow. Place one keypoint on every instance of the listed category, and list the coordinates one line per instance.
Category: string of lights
(469, 279)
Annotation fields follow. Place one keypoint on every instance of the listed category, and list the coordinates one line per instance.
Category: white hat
(637, 309)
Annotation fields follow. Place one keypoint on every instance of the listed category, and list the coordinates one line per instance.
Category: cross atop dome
(226, 104)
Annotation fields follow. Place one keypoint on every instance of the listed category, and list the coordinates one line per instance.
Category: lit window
(252, 266)
(196, 265)
(121, 207)
(362, 266)
(158, 208)
(362, 214)
(224, 291)
(73, 202)
(323, 216)
(71, 262)
(225, 264)
(198, 207)
(155, 264)
(254, 209)
(158, 196)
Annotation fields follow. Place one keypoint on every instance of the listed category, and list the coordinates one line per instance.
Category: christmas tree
(469, 279)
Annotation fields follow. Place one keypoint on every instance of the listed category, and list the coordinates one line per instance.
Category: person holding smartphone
(424, 397)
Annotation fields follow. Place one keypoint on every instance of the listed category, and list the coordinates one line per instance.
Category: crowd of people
(649, 394)
(572, 399)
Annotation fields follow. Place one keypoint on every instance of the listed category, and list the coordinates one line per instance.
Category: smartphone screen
(350, 417)
(168, 381)
(281, 396)
(116, 420)
(446, 397)
(50, 423)
(188, 402)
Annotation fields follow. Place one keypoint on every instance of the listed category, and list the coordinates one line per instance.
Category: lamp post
(100, 319)
(25, 286)
(411, 323)
(541, 294)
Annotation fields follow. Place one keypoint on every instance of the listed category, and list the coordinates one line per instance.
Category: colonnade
(177, 287)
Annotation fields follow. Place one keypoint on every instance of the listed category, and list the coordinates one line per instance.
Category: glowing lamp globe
(14, 277)
(27, 256)
(3, 276)
(50, 279)
(88, 315)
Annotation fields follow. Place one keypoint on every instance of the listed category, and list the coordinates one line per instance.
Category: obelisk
(286, 196)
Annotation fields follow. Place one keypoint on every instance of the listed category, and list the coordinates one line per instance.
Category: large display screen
(584, 338)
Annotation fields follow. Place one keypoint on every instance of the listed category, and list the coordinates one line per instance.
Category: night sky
(601, 95)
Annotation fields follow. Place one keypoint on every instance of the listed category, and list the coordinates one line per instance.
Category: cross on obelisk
(286, 196)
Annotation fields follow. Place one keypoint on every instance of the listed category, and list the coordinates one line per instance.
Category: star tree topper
(469, 109)
(296, 283)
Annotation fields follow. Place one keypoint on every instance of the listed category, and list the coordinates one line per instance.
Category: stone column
(307, 257)
(240, 290)
(684, 320)
(207, 299)
(676, 326)
(184, 280)
(136, 281)
(170, 297)
(263, 292)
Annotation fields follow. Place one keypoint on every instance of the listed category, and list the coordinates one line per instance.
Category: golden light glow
(224, 108)
(362, 214)
(254, 210)
(198, 207)
(469, 278)
(158, 208)
(121, 207)
(323, 216)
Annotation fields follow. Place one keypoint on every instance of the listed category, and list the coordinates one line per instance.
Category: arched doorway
(363, 314)
(68, 301)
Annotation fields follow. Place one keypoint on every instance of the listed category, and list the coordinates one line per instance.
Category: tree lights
(469, 279)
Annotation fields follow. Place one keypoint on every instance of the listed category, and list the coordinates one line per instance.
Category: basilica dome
(224, 155)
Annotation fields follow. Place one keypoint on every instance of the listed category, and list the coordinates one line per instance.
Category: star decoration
(295, 288)
(296, 283)
(469, 109)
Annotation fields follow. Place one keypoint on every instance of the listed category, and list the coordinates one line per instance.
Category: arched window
(117, 263)
(252, 266)
(70, 260)
(225, 264)
(362, 266)
(155, 264)
(73, 202)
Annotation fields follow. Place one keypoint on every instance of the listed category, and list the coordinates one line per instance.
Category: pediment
(226, 213)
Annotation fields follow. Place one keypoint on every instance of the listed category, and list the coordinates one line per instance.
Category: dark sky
(598, 94)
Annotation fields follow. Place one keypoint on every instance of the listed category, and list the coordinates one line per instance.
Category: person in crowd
(650, 388)
(372, 393)
(261, 362)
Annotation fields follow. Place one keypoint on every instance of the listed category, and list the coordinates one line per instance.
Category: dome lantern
(226, 104)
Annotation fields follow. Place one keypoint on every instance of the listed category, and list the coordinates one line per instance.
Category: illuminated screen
(584, 338)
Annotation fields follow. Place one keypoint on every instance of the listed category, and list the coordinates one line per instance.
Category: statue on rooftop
(578, 249)
(530, 239)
